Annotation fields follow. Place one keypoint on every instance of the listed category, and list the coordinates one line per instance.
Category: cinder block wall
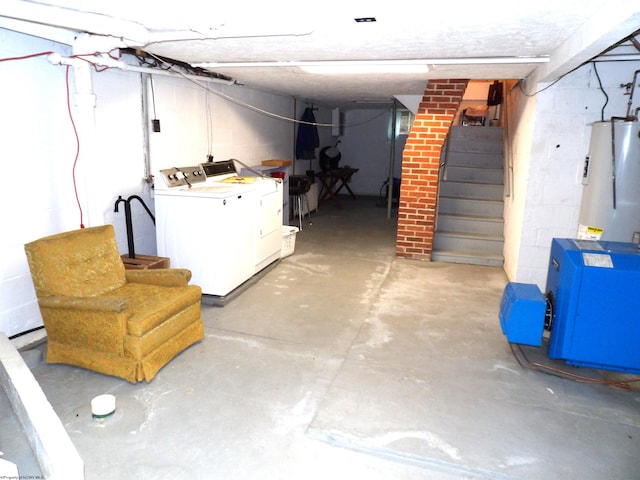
(420, 166)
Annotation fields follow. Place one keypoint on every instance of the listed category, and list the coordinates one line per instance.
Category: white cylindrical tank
(610, 208)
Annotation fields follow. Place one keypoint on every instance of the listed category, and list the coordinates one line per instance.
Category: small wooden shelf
(143, 262)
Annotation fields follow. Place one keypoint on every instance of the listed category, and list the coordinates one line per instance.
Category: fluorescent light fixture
(375, 66)
(331, 66)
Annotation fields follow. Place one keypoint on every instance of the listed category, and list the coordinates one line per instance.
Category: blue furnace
(591, 306)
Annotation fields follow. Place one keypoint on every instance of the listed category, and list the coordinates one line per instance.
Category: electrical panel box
(593, 291)
(337, 122)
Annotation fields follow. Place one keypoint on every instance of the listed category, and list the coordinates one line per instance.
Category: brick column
(420, 167)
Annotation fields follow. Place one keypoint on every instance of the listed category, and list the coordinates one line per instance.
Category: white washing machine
(223, 227)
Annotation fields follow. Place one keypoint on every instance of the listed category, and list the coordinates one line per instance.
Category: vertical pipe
(633, 87)
(392, 158)
(145, 78)
(613, 161)
(293, 137)
(85, 103)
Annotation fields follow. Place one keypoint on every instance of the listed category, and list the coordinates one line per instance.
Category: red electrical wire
(81, 56)
(75, 130)
(75, 162)
(25, 56)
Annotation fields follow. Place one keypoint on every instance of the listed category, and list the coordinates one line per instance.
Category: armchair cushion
(101, 317)
(145, 309)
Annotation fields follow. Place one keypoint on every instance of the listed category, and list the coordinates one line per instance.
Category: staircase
(470, 222)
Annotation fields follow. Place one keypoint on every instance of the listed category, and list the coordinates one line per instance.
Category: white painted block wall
(551, 133)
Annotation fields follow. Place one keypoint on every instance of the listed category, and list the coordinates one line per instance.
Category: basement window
(404, 120)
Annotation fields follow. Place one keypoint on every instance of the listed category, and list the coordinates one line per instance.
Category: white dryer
(223, 227)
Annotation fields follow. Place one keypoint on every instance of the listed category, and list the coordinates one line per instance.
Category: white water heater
(610, 208)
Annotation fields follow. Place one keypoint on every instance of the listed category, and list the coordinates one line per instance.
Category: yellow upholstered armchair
(99, 316)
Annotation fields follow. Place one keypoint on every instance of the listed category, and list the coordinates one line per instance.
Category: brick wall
(420, 165)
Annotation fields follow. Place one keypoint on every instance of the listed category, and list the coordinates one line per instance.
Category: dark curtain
(307, 140)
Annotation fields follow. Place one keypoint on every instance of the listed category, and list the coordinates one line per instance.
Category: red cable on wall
(75, 130)
(75, 162)
(25, 56)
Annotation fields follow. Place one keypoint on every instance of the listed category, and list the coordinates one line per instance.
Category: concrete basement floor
(346, 362)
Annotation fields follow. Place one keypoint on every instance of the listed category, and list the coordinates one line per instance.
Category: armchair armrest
(100, 304)
(93, 323)
(163, 277)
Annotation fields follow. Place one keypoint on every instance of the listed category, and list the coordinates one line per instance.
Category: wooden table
(333, 182)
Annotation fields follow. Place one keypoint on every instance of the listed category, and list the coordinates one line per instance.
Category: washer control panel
(183, 176)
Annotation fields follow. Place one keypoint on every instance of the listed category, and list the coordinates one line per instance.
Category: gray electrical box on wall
(337, 123)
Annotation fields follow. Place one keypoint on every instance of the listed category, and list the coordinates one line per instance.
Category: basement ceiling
(492, 39)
